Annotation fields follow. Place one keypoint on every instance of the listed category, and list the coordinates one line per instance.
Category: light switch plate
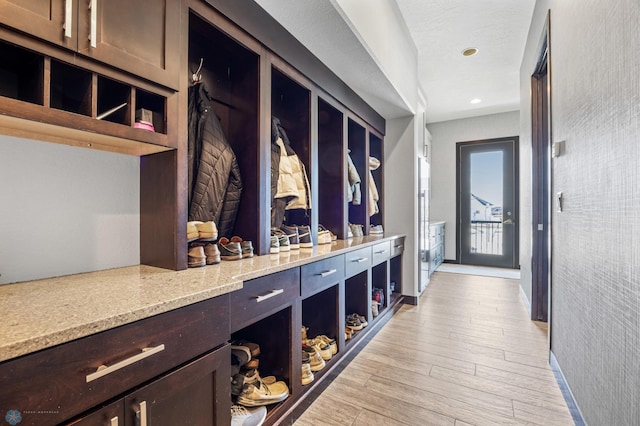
(557, 149)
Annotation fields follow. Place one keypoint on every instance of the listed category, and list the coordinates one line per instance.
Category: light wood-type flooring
(468, 354)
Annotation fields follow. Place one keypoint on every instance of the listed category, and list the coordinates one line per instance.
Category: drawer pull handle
(360, 260)
(269, 295)
(380, 251)
(114, 422)
(103, 370)
(141, 415)
(327, 273)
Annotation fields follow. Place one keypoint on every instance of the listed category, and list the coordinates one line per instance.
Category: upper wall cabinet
(139, 37)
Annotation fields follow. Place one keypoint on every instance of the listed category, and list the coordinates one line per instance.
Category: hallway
(467, 355)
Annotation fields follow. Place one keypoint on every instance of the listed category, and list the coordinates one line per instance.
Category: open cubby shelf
(357, 146)
(231, 73)
(331, 171)
(57, 92)
(380, 280)
(376, 150)
(291, 104)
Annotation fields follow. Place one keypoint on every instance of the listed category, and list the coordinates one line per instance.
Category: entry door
(488, 203)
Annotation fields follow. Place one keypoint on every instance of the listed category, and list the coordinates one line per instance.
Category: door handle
(93, 6)
(68, 18)
(508, 222)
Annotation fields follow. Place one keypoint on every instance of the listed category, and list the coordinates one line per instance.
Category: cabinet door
(111, 415)
(45, 19)
(196, 394)
(141, 37)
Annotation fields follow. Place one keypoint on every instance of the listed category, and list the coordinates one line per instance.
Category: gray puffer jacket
(215, 184)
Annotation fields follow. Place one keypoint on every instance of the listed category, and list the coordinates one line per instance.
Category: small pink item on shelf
(144, 125)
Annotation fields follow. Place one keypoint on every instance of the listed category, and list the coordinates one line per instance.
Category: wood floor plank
(368, 418)
(498, 387)
(533, 383)
(520, 346)
(327, 410)
(387, 403)
(542, 416)
(477, 398)
(532, 361)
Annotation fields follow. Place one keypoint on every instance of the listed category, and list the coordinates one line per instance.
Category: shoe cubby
(379, 282)
(114, 101)
(153, 105)
(376, 151)
(291, 105)
(321, 314)
(332, 211)
(71, 88)
(395, 279)
(273, 335)
(230, 72)
(357, 147)
(21, 74)
(357, 296)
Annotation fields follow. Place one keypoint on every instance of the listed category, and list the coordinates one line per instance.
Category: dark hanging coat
(215, 185)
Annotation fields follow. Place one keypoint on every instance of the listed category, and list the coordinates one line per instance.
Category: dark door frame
(515, 261)
(541, 180)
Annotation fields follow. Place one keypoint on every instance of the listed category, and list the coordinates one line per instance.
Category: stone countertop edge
(40, 314)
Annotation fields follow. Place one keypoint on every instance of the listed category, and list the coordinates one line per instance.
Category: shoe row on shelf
(206, 249)
(294, 237)
(315, 353)
(356, 230)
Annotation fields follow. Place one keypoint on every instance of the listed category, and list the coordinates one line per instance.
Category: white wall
(444, 136)
(383, 32)
(65, 210)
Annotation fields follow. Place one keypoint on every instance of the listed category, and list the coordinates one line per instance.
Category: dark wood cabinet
(196, 394)
(54, 21)
(138, 37)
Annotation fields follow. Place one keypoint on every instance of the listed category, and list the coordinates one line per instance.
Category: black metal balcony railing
(486, 237)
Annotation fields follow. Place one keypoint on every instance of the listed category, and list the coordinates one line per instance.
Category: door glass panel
(486, 183)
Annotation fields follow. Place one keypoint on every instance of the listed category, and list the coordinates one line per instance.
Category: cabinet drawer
(319, 275)
(62, 381)
(357, 261)
(380, 252)
(397, 246)
(263, 296)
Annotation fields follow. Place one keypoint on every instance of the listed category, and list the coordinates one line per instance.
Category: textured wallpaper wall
(595, 314)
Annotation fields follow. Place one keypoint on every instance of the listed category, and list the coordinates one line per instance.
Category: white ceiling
(441, 29)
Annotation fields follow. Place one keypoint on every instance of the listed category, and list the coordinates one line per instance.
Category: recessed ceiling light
(476, 100)
(470, 51)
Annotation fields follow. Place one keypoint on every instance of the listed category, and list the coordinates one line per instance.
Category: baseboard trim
(578, 419)
(525, 299)
(411, 300)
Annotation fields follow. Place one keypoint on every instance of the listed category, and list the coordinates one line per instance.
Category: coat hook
(195, 77)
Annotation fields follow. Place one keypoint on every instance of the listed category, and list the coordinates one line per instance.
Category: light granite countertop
(39, 314)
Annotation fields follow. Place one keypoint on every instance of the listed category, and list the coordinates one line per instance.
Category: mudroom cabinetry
(138, 37)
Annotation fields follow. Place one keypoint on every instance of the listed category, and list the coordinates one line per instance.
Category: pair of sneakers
(203, 231)
(325, 236)
(235, 248)
(243, 416)
(201, 254)
(263, 391)
(299, 236)
(356, 322)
